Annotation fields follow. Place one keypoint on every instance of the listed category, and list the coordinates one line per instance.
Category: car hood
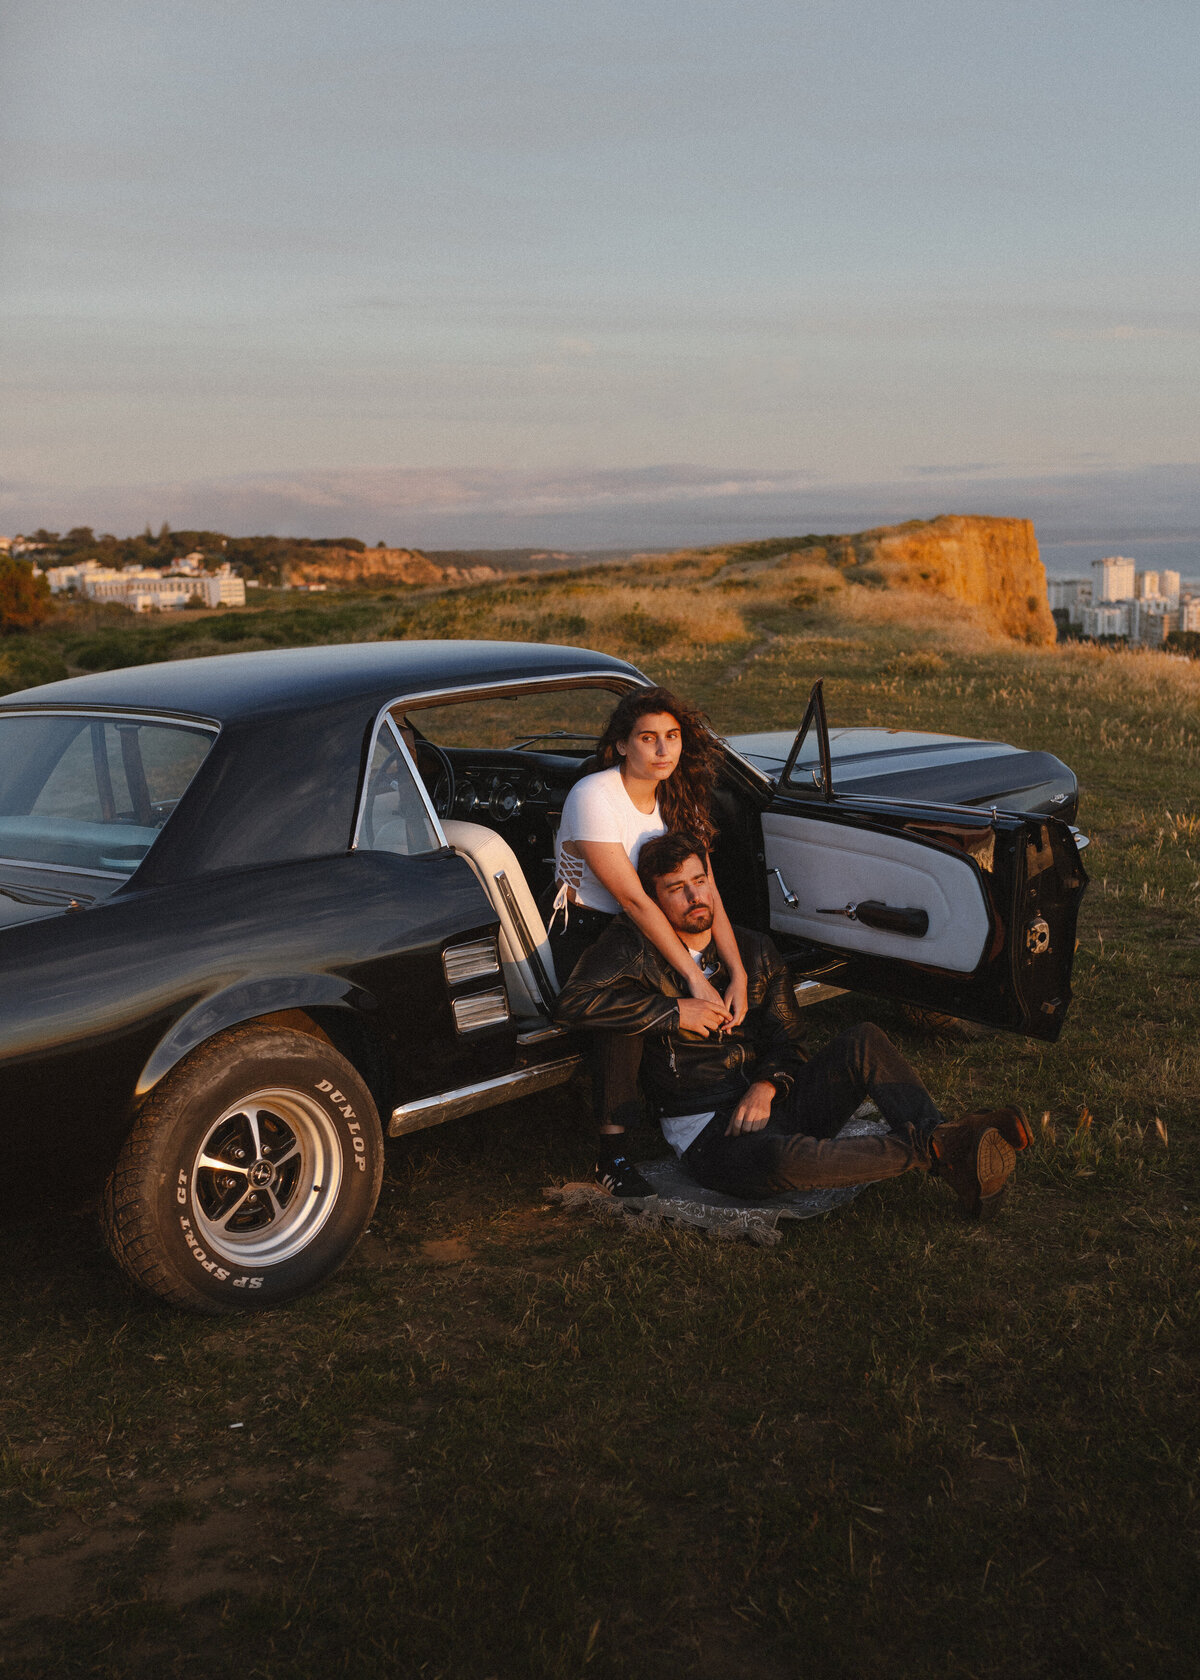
(912, 765)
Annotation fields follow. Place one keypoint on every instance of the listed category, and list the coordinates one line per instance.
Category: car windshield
(566, 720)
(91, 793)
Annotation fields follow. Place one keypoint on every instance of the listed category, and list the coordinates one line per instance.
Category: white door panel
(827, 865)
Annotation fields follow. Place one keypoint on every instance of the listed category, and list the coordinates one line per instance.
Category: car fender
(248, 1001)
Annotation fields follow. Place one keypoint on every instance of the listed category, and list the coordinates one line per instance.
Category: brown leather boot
(976, 1163)
(1011, 1123)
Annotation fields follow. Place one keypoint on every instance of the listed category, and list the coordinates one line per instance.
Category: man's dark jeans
(798, 1148)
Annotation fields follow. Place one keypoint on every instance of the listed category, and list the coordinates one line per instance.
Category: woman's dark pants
(798, 1148)
(613, 1059)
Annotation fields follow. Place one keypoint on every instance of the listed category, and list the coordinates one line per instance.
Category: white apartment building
(1110, 620)
(1071, 595)
(1151, 621)
(145, 589)
(1115, 579)
(1189, 614)
(71, 577)
(1121, 601)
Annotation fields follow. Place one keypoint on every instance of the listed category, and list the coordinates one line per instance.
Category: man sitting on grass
(745, 1110)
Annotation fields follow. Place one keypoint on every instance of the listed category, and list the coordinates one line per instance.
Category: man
(744, 1109)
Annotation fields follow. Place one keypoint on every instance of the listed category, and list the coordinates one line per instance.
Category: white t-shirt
(682, 1130)
(599, 808)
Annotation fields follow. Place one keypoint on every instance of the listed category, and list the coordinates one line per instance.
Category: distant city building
(1144, 607)
(1151, 620)
(6, 545)
(1115, 579)
(145, 589)
(1070, 595)
(71, 577)
(1111, 620)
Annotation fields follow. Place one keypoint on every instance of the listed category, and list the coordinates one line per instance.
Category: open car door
(968, 912)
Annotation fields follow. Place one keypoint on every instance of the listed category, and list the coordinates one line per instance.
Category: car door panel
(829, 866)
(1001, 892)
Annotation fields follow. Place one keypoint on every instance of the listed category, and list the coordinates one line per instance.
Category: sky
(627, 272)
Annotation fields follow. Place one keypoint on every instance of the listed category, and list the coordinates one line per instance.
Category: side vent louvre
(470, 961)
(481, 1009)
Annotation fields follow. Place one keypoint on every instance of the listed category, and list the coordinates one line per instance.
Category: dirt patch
(446, 1250)
(47, 1572)
(362, 1478)
(222, 1553)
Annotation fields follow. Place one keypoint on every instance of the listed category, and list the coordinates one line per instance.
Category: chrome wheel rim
(266, 1177)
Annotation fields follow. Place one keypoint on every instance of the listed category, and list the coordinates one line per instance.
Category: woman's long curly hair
(685, 798)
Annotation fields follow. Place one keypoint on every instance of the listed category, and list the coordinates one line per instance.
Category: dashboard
(501, 785)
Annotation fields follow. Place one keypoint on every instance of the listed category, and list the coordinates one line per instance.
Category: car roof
(227, 687)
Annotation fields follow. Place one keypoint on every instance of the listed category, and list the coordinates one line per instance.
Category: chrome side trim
(468, 1099)
(539, 1032)
(93, 714)
(528, 949)
(385, 712)
(619, 681)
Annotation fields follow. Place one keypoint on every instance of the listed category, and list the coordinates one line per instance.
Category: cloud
(657, 506)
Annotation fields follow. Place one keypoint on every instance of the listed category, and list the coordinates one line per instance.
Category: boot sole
(995, 1159)
(1011, 1123)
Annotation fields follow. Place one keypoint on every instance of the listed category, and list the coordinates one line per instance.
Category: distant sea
(1074, 558)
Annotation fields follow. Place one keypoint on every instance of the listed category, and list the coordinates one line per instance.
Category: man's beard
(698, 920)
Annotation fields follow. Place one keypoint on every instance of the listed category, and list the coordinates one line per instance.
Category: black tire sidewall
(180, 1115)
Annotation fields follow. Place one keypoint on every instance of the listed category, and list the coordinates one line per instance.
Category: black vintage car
(253, 906)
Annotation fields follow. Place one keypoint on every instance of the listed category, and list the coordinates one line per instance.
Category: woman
(657, 768)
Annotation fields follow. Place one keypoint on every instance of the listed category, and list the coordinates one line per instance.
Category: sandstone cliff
(992, 564)
(376, 568)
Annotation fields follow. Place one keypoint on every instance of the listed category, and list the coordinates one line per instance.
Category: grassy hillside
(506, 1441)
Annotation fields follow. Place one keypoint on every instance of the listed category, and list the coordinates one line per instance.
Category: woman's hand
(706, 992)
(737, 999)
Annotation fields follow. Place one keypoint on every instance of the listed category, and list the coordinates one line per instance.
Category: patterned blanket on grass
(679, 1200)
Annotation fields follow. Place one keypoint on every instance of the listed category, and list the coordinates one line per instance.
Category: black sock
(610, 1146)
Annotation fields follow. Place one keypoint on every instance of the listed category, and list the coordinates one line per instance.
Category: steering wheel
(438, 778)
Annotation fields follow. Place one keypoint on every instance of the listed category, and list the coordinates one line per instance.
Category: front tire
(250, 1173)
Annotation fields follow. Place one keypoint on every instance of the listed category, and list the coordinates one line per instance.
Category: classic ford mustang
(253, 906)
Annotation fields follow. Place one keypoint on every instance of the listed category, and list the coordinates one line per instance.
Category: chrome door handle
(789, 897)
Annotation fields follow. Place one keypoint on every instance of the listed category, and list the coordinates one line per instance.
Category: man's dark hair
(664, 856)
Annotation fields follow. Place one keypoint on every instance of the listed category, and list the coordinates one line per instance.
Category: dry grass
(506, 1443)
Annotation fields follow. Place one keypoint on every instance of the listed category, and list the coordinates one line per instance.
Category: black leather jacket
(622, 984)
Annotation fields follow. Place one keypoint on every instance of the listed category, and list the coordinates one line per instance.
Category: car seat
(525, 956)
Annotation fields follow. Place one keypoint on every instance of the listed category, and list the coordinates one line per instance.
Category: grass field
(508, 1441)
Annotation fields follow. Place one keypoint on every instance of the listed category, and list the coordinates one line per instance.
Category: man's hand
(754, 1110)
(698, 1015)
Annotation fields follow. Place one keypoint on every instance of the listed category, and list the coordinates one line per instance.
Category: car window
(394, 817)
(91, 793)
(564, 720)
